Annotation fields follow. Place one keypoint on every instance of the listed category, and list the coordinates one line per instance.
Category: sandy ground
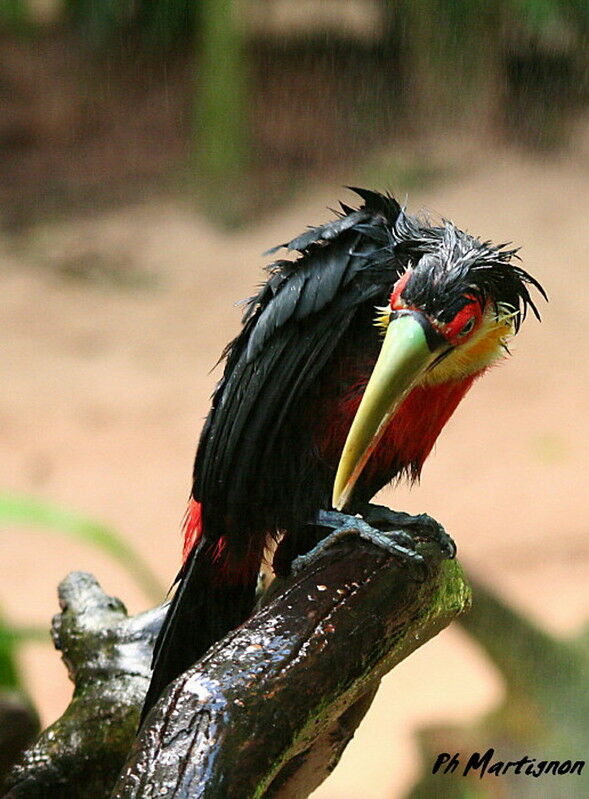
(105, 387)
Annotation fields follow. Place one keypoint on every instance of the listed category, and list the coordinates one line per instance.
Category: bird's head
(455, 305)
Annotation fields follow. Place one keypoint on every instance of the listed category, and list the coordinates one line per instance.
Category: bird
(351, 358)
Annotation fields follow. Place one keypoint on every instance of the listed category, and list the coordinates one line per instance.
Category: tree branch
(107, 656)
(267, 712)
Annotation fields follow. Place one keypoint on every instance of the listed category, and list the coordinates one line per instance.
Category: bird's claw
(421, 527)
(400, 544)
(396, 533)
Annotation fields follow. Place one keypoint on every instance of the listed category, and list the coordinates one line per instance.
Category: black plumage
(245, 462)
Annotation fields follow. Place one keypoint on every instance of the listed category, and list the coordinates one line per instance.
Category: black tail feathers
(202, 611)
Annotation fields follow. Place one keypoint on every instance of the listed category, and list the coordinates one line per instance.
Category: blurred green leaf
(30, 512)
(23, 635)
(11, 637)
(9, 671)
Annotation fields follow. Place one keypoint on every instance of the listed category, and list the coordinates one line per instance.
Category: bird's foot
(397, 533)
(421, 527)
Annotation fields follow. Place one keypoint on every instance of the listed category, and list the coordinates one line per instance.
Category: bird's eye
(468, 327)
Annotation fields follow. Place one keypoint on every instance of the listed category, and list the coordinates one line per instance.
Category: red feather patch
(191, 527)
(233, 570)
(411, 434)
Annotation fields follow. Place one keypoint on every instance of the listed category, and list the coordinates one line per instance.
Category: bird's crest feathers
(447, 264)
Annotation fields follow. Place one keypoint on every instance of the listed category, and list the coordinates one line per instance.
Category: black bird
(351, 359)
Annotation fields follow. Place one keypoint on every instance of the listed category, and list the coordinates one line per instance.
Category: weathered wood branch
(107, 656)
(267, 712)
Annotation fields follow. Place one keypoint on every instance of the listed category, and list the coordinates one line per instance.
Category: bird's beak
(410, 347)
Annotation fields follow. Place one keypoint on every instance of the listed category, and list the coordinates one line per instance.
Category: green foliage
(11, 637)
(99, 19)
(160, 24)
(536, 15)
(15, 14)
(539, 16)
(163, 24)
(9, 671)
(28, 512)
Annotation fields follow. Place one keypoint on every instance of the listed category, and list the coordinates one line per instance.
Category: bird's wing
(291, 328)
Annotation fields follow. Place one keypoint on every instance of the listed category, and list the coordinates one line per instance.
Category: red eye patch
(465, 322)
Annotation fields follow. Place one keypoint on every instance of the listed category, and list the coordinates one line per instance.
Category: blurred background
(150, 151)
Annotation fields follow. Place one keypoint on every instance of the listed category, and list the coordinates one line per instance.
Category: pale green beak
(404, 357)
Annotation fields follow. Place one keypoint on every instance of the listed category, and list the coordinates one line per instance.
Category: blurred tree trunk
(452, 52)
(220, 130)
